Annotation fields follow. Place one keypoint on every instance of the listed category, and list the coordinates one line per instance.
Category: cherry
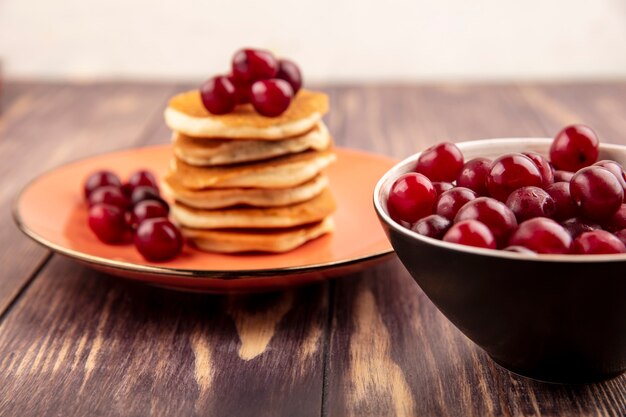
(158, 239)
(494, 214)
(510, 172)
(616, 169)
(412, 196)
(441, 162)
(597, 193)
(546, 170)
(529, 202)
(471, 233)
(621, 235)
(598, 242)
(142, 193)
(577, 226)
(218, 95)
(442, 186)
(290, 72)
(109, 194)
(618, 220)
(565, 206)
(107, 222)
(473, 175)
(542, 235)
(251, 65)
(100, 179)
(449, 203)
(520, 249)
(434, 226)
(242, 90)
(142, 177)
(574, 147)
(147, 209)
(563, 176)
(271, 98)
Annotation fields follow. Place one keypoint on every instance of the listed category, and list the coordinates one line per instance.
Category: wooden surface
(78, 343)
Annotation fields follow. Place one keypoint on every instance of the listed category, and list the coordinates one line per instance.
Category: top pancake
(186, 114)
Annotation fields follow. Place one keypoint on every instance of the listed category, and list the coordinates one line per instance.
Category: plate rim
(222, 274)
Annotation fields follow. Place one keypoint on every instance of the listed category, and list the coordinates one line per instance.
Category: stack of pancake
(243, 182)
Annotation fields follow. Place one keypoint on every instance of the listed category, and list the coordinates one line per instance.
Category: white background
(333, 40)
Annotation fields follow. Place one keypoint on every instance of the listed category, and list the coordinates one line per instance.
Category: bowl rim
(400, 168)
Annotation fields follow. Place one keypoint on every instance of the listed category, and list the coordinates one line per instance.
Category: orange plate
(51, 211)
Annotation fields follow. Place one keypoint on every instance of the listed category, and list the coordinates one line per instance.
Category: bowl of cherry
(521, 244)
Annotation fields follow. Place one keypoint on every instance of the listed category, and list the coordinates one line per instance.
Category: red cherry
(100, 179)
(621, 235)
(442, 186)
(471, 233)
(577, 226)
(109, 194)
(542, 235)
(598, 242)
(597, 193)
(158, 240)
(147, 209)
(434, 226)
(565, 206)
(271, 98)
(107, 222)
(616, 169)
(290, 72)
(449, 203)
(494, 214)
(510, 172)
(574, 147)
(412, 196)
(441, 162)
(142, 193)
(218, 95)
(142, 177)
(529, 202)
(251, 65)
(474, 175)
(563, 176)
(242, 90)
(618, 220)
(546, 170)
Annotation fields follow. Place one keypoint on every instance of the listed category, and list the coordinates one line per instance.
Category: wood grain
(74, 342)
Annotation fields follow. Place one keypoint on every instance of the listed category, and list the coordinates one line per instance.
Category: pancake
(282, 172)
(310, 211)
(186, 114)
(207, 152)
(257, 197)
(281, 240)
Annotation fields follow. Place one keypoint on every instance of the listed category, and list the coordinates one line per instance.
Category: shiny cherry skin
(251, 65)
(529, 202)
(574, 147)
(434, 226)
(242, 90)
(290, 72)
(617, 221)
(596, 192)
(493, 213)
(471, 233)
(546, 170)
(142, 177)
(441, 162)
(218, 95)
(412, 197)
(473, 175)
(565, 206)
(109, 194)
(158, 239)
(563, 176)
(616, 169)
(147, 209)
(542, 235)
(598, 242)
(271, 98)
(578, 225)
(143, 192)
(107, 222)
(449, 203)
(510, 172)
(100, 179)
(442, 186)
(621, 235)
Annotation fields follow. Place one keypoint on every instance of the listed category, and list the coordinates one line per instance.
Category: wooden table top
(78, 343)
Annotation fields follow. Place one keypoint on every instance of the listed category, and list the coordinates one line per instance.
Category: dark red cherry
(616, 169)
(442, 186)
(565, 206)
(542, 235)
(574, 147)
(100, 179)
(412, 196)
(617, 221)
(563, 176)
(147, 209)
(449, 203)
(621, 235)
(546, 170)
(290, 72)
(471, 233)
(158, 239)
(441, 162)
(494, 214)
(218, 95)
(271, 98)
(107, 222)
(473, 175)
(578, 225)
(510, 172)
(109, 194)
(434, 226)
(596, 192)
(242, 90)
(598, 242)
(251, 65)
(529, 202)
(142, 193)
(142, 177)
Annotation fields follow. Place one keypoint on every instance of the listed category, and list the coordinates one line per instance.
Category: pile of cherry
(571, 204)
(133, 211)
(257, 77)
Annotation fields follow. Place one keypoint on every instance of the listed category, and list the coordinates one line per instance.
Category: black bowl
(556, 318)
